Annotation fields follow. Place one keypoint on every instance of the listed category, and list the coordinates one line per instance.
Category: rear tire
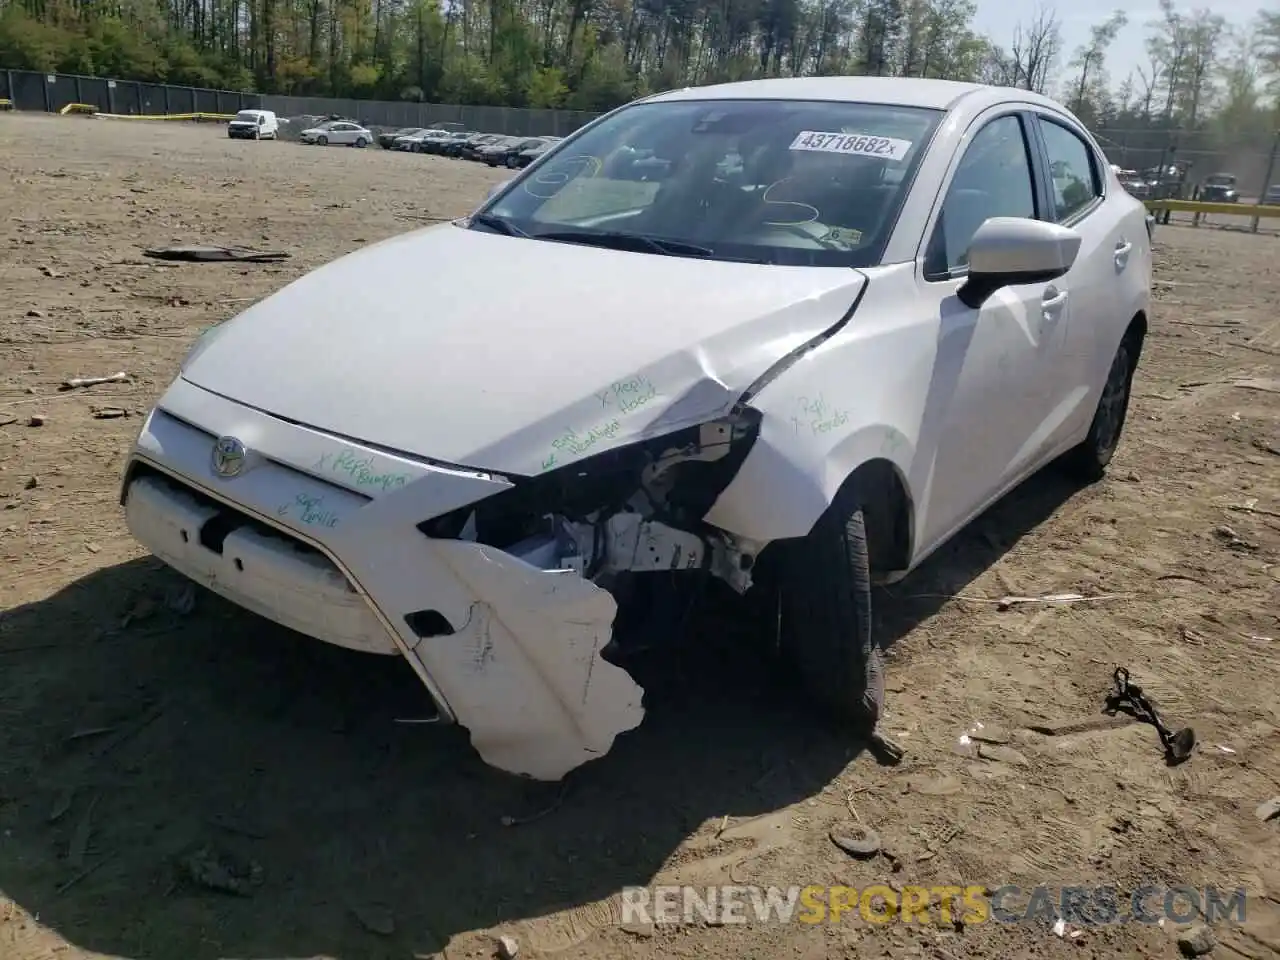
(824, 584)
(1088, 462)
(361, 142)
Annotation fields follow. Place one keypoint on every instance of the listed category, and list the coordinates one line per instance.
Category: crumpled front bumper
(323, 540)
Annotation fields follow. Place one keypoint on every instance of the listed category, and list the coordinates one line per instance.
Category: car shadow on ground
(132, 734)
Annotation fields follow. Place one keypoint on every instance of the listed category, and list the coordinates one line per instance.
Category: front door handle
(1053, 302)
(1122, 253)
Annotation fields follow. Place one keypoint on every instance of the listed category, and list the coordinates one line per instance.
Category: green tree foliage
(595, 54)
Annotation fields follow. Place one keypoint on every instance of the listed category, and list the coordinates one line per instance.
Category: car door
(993, 379)
(340, 133)
(1088, 334)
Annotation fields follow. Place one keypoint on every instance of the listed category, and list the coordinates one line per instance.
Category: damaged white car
(789, 334)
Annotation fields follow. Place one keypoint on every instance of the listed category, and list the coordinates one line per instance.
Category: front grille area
(215, 531)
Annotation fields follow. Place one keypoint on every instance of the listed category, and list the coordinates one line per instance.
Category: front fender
(782, 489)
(856, 398)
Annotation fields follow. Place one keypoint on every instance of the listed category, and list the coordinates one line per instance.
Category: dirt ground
(143, 742)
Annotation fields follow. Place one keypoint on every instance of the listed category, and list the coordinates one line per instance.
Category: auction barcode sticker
(854, 144)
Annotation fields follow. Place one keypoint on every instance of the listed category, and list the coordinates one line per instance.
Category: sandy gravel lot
(140, 739)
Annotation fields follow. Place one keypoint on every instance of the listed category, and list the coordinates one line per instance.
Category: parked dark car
(385, 140)
(1219, 188)
(1272, 194)
(454, 148)
(1168, 182)
(505, 154)
(526, 157)
(471, 148)
(440, 146)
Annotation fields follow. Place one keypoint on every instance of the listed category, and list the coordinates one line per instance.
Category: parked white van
(254, 125)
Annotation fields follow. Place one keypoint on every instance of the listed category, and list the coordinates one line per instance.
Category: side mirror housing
(1006, 251)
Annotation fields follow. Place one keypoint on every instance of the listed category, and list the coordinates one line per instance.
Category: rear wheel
(823, 588)
(1089, 460)
(361, 142)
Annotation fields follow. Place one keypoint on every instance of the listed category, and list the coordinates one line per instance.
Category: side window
(992, 180)
(1072, 163)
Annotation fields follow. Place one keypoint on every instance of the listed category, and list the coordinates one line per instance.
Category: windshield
(246, 116)
(776, 181)
(1221, 181)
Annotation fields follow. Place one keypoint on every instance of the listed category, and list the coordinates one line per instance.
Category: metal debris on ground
(856, 840)
(1268, 809)
(196, 253)
(220, 870)
(375, 919)
(1196, 941)
(77, 382)
(1129, 698)
(181, 599)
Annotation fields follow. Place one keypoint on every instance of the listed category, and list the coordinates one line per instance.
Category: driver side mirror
(1006, 251)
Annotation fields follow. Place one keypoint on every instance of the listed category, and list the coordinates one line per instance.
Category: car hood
(514, 355)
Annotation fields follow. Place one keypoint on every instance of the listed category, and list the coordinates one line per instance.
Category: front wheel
(823, 588)
(322, 141)
(512, 163)
(1089, 460)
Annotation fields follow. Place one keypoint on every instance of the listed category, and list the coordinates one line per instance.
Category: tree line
(1202, 72)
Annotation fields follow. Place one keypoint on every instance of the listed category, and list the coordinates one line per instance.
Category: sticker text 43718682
(854, 144)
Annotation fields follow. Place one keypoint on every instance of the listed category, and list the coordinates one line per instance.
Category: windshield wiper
(497, 223)
(628, 241)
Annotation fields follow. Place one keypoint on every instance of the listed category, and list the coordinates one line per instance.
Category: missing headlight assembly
(636, 509)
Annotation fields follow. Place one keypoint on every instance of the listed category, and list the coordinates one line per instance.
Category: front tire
(1088, 462)
(322, 141)
(824, 589)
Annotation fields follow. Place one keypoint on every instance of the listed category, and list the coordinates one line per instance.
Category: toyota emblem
(228, 457)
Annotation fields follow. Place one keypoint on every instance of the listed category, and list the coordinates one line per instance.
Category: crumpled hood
(510, 354)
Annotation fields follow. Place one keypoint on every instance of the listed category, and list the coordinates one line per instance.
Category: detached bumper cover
(326, 544)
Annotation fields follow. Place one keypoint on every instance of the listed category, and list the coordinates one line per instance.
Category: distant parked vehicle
(388, 139)
(1219, 188)
(416, 142)
(453, 147)
(254, 125)
(471, 148)
(438, 145)
(1272, 194)
(342, 132)
(495, 153)
(526, 157)
(507, 156)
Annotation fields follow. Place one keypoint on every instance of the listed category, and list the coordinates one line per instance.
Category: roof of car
(893, 91)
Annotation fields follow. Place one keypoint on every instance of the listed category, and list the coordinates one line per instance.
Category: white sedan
(342, 132)
(789, 334)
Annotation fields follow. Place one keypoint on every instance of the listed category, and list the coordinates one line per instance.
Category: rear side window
(1076, 184)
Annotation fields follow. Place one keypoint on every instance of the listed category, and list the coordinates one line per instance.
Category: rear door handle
(1122, 254)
